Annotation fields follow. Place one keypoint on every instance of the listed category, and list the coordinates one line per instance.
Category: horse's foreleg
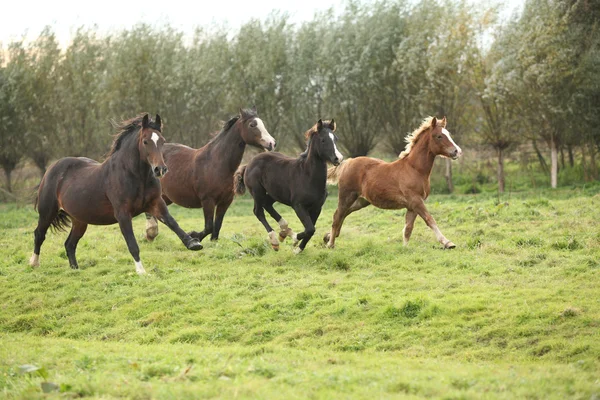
(77, 231)
(127, 232)
(309, 227)
(219, 215)
(208, 206)
(161, 212)
(260, 214)
(410, 222)
(345, 208)
(423, 213)
(151, 227)
(284, 229)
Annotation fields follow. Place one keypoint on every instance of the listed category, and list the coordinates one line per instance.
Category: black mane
(124, 130)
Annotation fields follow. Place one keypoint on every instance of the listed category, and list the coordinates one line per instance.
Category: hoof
(285, 233)
(330, 245)
(34, 261)
(326, 238)
(194, 245)
(151, 234)
(141, 272)
(295, 240)
(273, 240)
(298, 250)
(449, 245)
(74, 266)
(195, 235)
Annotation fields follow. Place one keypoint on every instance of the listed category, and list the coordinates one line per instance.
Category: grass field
(512, 312)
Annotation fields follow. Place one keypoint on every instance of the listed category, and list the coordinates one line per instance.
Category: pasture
(513, 311)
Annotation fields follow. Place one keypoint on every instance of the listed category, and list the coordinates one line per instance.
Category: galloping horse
(296, 182)
(82, 191)
(203, 178)
(403, 183)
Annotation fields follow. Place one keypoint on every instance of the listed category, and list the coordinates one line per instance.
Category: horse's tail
(334, 173)
(61, 222)
(238, 180)
(36, 191)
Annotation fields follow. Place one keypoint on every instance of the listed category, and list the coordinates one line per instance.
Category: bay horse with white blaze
(82, 191)
(403, 183)
(297, 182)
(203, 178)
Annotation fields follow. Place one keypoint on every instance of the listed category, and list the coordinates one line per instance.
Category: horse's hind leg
(151, 227)
(259, 211)
(285, 231)
(410, 222)
(48, 211)
(77, 231)
(422, 211)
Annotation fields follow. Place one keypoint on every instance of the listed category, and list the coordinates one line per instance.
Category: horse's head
(324, 141)
(253, 130)
(150, 143)
(441, 142)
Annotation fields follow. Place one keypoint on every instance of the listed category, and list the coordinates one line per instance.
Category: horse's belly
(387, 201)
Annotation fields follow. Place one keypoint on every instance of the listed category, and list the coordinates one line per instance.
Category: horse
(79, 191)
(403, 183)
(203, 178)
(296, 182)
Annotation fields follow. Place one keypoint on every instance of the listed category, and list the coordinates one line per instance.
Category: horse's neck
(314, 165)
(128, 158)
(229, 149)
(420, 158)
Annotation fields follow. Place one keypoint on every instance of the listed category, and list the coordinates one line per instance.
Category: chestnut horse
(403, 183)
(203, 178)
(81, 191)
(296, 182)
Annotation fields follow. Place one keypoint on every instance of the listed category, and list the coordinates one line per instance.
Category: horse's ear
(444, 122)
(319, 125)
(254, 109)
(145, 121)
(434, 122)
(158, 121)
(241, 112)
(332, 125)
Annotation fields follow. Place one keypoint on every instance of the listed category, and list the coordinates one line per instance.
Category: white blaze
(445, 132)
(264, 135)
(337, 153)
(155, 138)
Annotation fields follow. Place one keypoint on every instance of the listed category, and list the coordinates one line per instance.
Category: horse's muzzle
(336, 162)
(159, 172)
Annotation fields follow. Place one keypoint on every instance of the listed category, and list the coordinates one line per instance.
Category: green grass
(513, 311)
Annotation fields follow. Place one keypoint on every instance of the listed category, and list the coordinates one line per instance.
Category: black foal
(297, 182)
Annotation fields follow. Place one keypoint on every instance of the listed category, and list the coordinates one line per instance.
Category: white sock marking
(34, 261)
(139, 268)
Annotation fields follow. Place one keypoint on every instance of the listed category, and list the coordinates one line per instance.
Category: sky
(27, 18)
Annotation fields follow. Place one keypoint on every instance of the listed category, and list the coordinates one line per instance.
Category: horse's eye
(253, 124)
(439, 137)
(145, 141)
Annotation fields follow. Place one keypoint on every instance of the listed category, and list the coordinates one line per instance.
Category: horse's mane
(125, 129)
(413, 137)
(313, 131)
(229, 124)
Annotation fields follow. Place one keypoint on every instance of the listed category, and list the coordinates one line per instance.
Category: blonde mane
(413, 137)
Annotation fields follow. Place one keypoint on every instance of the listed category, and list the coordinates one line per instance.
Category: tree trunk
(449, 175)
(583, 164)
(553, 162)
(571, 158)
(593, 166)
(562, 157)
(8, 175)
(501, 170)
(540, 157)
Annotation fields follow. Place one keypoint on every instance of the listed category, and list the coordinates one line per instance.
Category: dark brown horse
(83, 191)
(296, 182)
(403, 183)
(203, 178)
